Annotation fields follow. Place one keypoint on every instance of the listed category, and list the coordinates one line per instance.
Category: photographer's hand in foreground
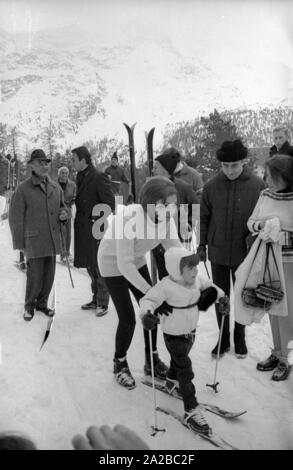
(106, 438)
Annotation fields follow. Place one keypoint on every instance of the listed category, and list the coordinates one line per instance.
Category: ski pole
(66, 257)
(215, 385)
(205, 265)
(155, 428)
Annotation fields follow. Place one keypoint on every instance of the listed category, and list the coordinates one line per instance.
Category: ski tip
(130, 128)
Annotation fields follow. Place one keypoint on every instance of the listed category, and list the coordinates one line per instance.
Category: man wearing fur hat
(228, 200)
(36, 211)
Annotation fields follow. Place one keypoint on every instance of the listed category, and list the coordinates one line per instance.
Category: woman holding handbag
(273, 219)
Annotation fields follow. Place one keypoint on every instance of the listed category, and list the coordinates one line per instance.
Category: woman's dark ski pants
(119, 287)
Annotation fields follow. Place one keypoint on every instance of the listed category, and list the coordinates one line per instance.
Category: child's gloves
(149, 321)
(224, 305)
(164, 309)
(207, 298)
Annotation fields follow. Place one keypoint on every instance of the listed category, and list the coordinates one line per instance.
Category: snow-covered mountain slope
(89, 83)
(57, 392)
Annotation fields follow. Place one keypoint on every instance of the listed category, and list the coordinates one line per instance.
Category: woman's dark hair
(190, 261)
(82, 152)
(281, 166)
(157, 188)
(11, 441)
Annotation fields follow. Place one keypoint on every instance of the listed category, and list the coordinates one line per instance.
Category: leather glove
(149, 321)
(202, 252)
(224, 305)
(163, 309)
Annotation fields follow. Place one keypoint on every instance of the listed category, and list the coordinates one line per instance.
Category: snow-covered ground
(57, 392)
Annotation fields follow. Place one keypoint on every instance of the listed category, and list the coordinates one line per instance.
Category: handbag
(270, 291)
(249, 296)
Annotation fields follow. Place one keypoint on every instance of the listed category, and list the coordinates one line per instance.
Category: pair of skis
(149, 142)
(11, 171)
(212, 437)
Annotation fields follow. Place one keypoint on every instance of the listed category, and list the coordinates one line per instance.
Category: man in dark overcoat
(93, 188)
(228, 200)
(36, 211)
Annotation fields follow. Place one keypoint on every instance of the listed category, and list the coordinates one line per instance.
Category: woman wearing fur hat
(187, 293)
(228, 200)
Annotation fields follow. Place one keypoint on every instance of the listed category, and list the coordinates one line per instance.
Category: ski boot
(123, 375)
(195, 420)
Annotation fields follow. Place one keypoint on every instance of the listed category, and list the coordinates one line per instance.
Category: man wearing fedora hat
(36, 211)
(227, 202)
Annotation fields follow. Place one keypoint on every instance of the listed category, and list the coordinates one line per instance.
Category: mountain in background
(89, 84)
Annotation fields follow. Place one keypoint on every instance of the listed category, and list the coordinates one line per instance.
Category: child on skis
(187, 293)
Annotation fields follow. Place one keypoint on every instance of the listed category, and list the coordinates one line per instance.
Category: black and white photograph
(146, 227)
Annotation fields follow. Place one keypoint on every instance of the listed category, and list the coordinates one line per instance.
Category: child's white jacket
(180, 321)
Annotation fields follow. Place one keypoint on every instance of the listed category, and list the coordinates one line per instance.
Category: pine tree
(217, 131)
(199, 140)
(48, 139)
